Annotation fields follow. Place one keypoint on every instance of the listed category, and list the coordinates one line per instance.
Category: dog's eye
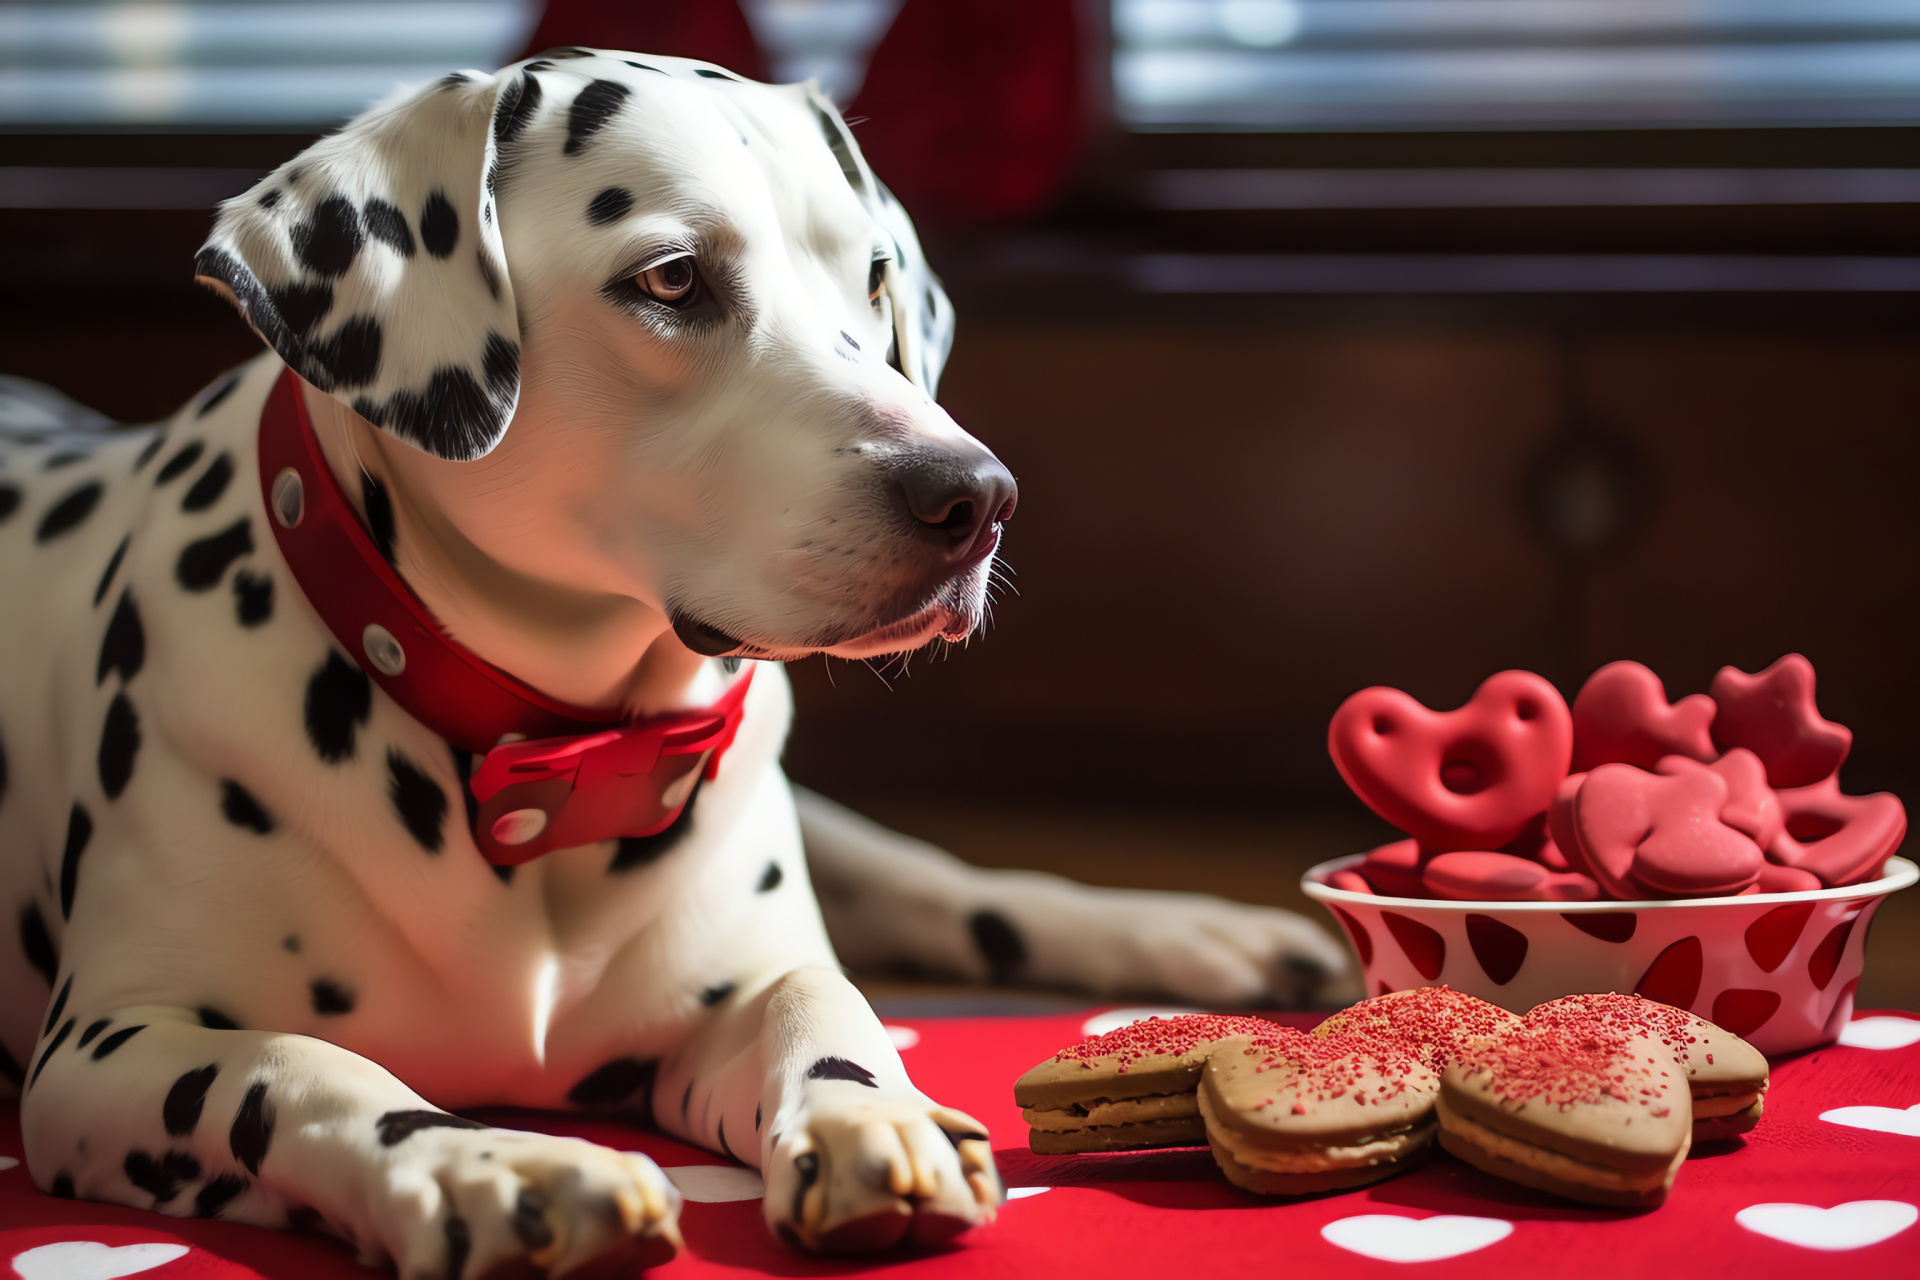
(671, 281)
(876, 277)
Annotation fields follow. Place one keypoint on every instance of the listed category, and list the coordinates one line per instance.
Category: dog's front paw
(463, 1202)
(855, 1174)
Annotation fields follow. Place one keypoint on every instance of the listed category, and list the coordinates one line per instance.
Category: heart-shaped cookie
(1501, 877)
(1394, 869)
(1840, 838)
(1465, 779)
(1773, 715)
(1853, 1225)
(1660, 835)
(1622, 716)
(1751, 808)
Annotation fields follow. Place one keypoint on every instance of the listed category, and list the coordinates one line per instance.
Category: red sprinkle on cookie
(1163, 1037)
(1434, 1023)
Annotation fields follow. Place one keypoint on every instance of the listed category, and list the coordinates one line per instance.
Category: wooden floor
(1253, 859)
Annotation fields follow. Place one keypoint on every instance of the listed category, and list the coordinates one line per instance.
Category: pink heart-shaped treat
(1560, 822)
(1501, 877)
(1394, 869)
(1775, 878)
(1622, 717)
(1773, 716)
(1465, 779)
(1842, 839)
(1657, 835)
(1752, 808)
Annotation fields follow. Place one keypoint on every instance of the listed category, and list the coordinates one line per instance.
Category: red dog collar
(555, 775)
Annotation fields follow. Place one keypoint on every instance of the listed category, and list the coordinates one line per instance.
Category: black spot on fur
(62, 1186)
(639, 851)
(300, 308)
(618, 1082)
(807, 1165)
(65, 458)
(641, 66)
(725, 1149)
(419, 801)
(189, 453)
(999, 943)
(373, 496)
(770, 878)
(292, 943)
(162, 1178)
(439, 225)
(538, 64)
(270, 199)
(455, 417)
(841, 1069)
(714, 994)
(610, 205)
(79, 831)
(38, 943)
(842, 151)
(216, 1193)
(9, 501)
(212, 483)
(124, 646)
(10, 1069)
(397, 1126)
(518, 103)
(119, 742)
(330, 999)
(114, 1041)
(242, 810)
(452, 80)
(595, 105)
(252, 1132)
(339, 697)
(350, 358)
(204, 562)
(69, 511)
(330, 240)
(463, 775)
(715, 75)
(389, 226)
(252, 598)
(530, 1218)
(92, 1032)
(215, 396)
(113, 567)
(59, 1038)
(459, 1245)
(756, 1117)
(565, 51)
(181, 1111)
(503, 874)
(59, 1005)
(214, 1020)
(152, 447)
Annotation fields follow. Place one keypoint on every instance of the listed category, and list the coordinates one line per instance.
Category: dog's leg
(890, 900)
(146, 1107)
(801, 1079)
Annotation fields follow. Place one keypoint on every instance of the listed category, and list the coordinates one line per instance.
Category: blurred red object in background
(972, 111)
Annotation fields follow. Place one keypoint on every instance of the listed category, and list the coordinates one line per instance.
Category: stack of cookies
(1597, 1098)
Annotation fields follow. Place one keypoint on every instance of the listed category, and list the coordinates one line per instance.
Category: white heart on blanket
(8, 1162)
(1881, 1033)
(1392, 1238)
(91, 1260)
(1114, 1019)
(1021, 1193)
(1878, 1119)
(716, 1183)
(1853, 1225)
(907, 1037)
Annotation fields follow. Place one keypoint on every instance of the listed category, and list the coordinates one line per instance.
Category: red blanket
(1831, 1179)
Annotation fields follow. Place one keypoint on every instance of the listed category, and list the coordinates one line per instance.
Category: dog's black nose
(957, 495)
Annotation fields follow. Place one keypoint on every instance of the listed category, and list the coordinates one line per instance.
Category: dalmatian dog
(262, 964)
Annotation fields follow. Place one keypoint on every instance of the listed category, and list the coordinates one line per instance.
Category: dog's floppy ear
(373, 264)
(922, 312)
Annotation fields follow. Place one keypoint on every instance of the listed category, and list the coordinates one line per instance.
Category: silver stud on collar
(289, 498)
(382, 650)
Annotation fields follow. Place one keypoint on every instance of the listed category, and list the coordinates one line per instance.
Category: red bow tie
(555, 776)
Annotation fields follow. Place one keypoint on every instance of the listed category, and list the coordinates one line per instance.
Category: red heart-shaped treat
(1394, 869)
(1657, 835)
(1465, 779)
(1752, 808)
(1535, 844)
(1560, 822)
(1622, 717)
(1775, 878)
(1842, 839)
(1773, 716)
(1501, 877)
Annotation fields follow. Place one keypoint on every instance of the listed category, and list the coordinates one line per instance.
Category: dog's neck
(552, 617)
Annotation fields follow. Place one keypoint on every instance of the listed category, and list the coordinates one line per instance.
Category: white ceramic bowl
(1777, 968)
